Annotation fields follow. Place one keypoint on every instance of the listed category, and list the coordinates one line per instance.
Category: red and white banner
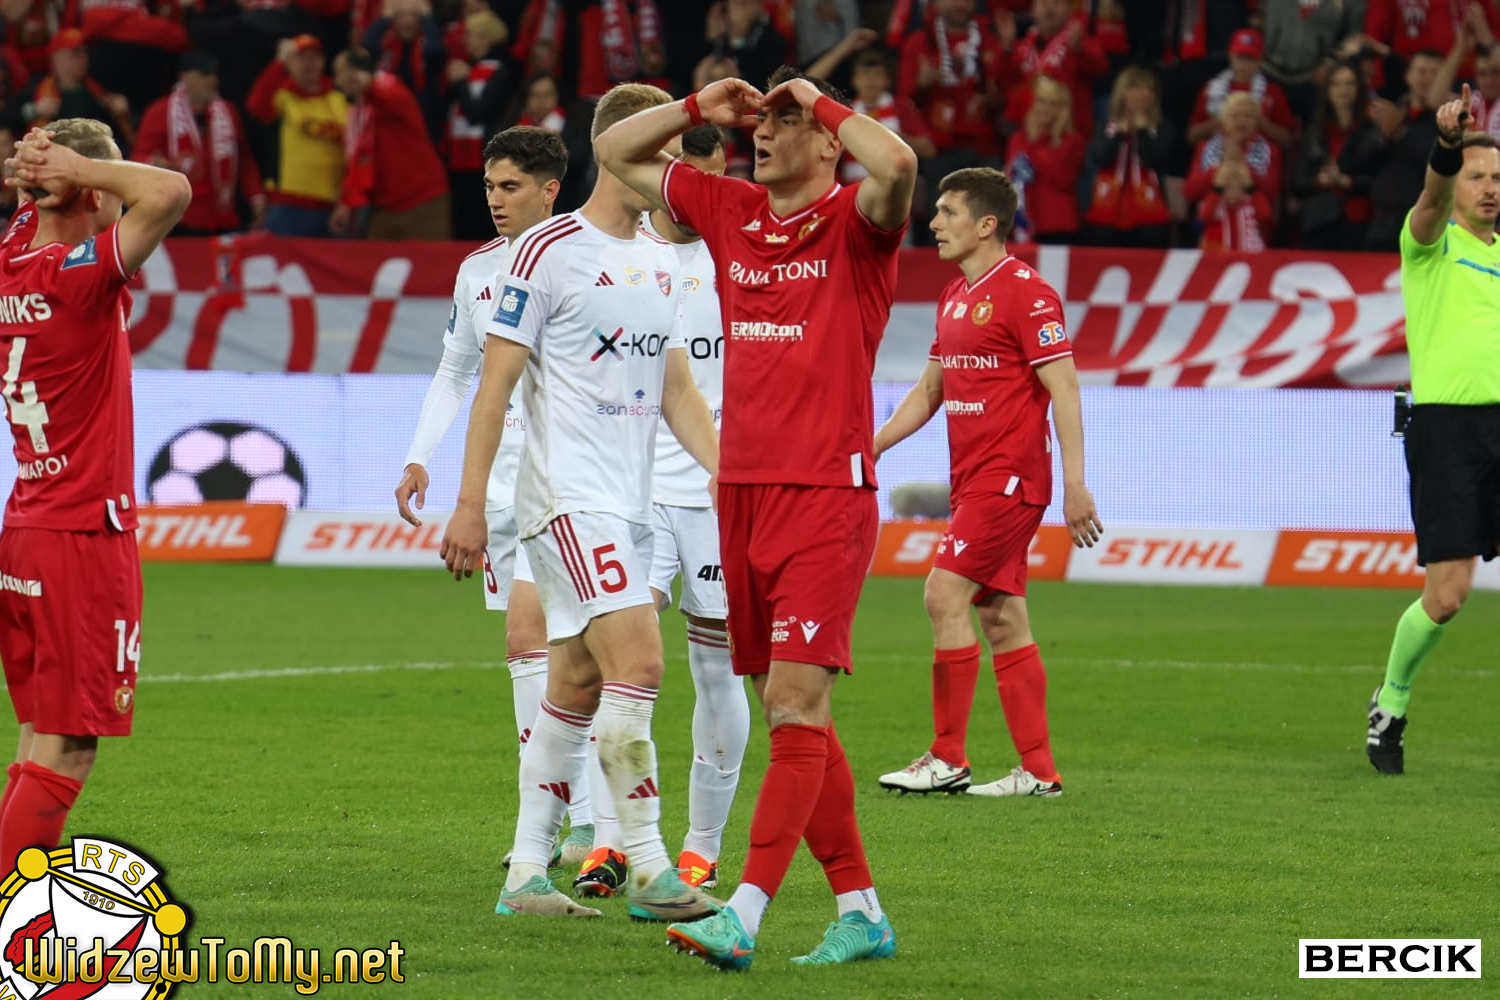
(1139, 318)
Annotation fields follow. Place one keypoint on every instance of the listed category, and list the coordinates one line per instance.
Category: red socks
(833, 831)
(954, 672)
(1023, 697)
(788, 795)
(36, 808)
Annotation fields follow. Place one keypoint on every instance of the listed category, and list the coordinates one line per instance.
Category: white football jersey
(677, 478)
(463, 354)
(598, 314)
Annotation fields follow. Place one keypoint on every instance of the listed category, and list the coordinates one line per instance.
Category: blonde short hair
(86, 137)
(623, 101)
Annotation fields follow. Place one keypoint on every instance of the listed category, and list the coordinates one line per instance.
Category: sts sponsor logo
(1051, 334)
(512, 306)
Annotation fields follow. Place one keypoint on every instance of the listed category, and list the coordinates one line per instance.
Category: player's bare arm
(915, 410)
(1435, 204)
(1060, 377)
(632, 149)
(413, 484)
(156, 197)
(885, 195)
(686, 413)
(464, 541)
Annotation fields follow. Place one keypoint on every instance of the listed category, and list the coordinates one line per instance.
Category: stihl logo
(918, 547)
(1356, 555)
(1167, 553)
(193, 531)
(645, 790)
(558, 788)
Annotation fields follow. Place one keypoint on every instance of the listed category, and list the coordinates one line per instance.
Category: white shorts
(504, 559)
(588, 564)
(687, 541)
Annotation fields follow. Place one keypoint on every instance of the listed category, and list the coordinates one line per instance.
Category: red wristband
(690, 105)
(830, 113)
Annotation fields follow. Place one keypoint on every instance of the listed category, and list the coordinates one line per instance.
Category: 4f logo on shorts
(512, 306)
(93, 914)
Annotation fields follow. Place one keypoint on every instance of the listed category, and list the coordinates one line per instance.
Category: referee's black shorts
(1453, 456)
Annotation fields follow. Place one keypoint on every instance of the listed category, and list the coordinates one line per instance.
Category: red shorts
(989, 542)
(795, 559)
(70, 628)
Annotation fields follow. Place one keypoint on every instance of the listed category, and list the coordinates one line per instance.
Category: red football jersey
(66, 384)
(805, 301)
(20, 232)
(991, 335)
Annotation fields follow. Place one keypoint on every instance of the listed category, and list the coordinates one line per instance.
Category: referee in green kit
(1450, 281)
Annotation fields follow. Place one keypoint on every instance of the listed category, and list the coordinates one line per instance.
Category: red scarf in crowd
(185, 143)
(393, 45)
(627, 46)
(1130, 196)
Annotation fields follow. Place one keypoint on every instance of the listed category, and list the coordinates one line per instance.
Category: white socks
(628, 757)
(861, 900)
(749, 903)
(721, 730)
(552, 765)
(528, 682)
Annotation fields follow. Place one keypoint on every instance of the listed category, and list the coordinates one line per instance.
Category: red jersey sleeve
(1038, 326)
(700, 200)
(863, 232)
(93, 272)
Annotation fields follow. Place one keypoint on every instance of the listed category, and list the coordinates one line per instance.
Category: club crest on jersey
(633, 276)
(81, 255)
(512, 306)
(809, 227)
(664, 282)
(982, 312)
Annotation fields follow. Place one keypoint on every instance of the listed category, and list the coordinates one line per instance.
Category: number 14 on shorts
(127, 645)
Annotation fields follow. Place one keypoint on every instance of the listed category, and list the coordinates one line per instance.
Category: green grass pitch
(330, 756)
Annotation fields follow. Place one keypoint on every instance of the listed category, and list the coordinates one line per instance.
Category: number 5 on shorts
(127, 645)
(604, 567)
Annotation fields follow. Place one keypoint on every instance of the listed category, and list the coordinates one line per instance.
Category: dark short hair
(1478, 140)
(360, 59)
(702, 140)
(198, 61)
(785, 73)
(986, 191)
(536, 151)
(872, 59)
(1429, 53)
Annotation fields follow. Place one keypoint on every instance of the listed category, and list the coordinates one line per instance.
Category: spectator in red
(408, 44)
(1409, 26)
(873, 97)
(1057, 45)
(1243, 75)
(1475, 44)
(477, 89)
(739, 144)
(29, 27)
(295, 90)
(1131, 153)
(196, 132)
(69, 92)
(541, 104)
(1045, 162)
(391, 168)
(133, 45)
(953, 71)
(1235, 179)
(1335, 195)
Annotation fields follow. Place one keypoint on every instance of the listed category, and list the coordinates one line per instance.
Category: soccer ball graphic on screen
(226, 461)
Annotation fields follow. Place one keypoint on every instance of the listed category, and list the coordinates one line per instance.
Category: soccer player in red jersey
(806, 271)
(70, 581)
(1000, 358)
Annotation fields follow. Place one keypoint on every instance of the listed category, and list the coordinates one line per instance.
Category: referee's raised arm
(1435, 204)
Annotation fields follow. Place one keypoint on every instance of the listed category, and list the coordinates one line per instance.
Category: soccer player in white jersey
(687, 542)
(588, 310)
(524, 167)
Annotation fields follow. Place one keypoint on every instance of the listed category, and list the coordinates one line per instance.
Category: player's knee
(1442, 603)
(944, 602)
(643, 671)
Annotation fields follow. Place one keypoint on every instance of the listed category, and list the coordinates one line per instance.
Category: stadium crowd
(1235, 124)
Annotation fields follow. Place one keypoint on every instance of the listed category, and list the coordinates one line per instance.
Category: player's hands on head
(45, 169)
(1081, 515)
(463, 543)
(794, 91)
(730, 103)
(413, 483)
(1454, 117)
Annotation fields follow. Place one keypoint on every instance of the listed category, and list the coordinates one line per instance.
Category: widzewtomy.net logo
(93, 920)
